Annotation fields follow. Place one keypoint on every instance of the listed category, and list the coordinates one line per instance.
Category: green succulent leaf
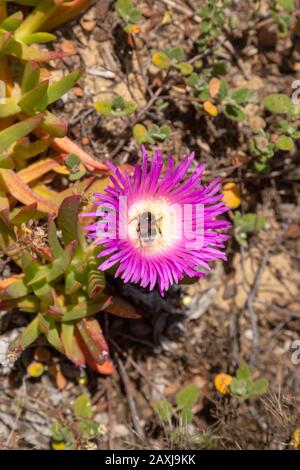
(31, 333)
(53, 125)
(35, 100)
(9, 108)
(12, 22)
(63, 86)
(17, 131)
(17, 290)
(31, 76)
(56, 248)
(53, 337)
(38, 38)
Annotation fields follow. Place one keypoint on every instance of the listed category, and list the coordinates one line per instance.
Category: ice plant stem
(44, 10)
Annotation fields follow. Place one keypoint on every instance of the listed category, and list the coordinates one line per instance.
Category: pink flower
(158, 228)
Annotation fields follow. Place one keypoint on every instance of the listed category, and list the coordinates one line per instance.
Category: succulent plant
(60, 285)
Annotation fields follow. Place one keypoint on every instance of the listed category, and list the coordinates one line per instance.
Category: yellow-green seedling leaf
(288, 5)
(12, 22)
(127, 11)
(38, 38)
(86, 309)
(241, 95)
(140, 134)
(188, 396)
(157, 133)
(35, 369)
(36, 100)
(63, 86)
(278, 103)
(9, 108)
(185, 68)
(117, 107)
(285, 143)
(164, 410)
(243, 371)
(31, 333)
(248, 223)
(161, 60)
(62, 438)
(31, 76)
(13, 133)
(176, 54)
(259, 387)
(82, 407)
(54, 126)
(77, 175)
(72, 161)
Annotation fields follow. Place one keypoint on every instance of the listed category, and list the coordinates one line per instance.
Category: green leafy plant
(212, 22)
(247, 223)
(243, 386)
(129, 14)
(177, 417)
(172, 57)
(152, 135)
(79, 432)
(282, 14)
(73, 163)
(116, 107)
